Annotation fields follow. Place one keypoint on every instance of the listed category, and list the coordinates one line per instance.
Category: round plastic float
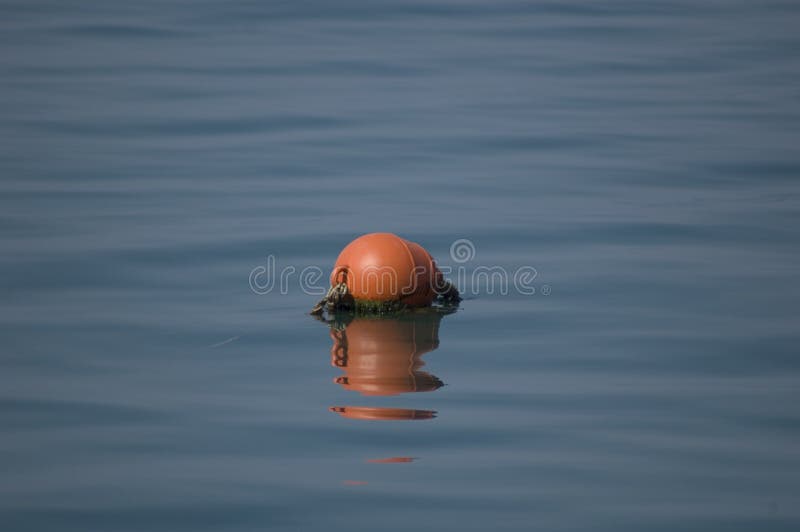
(382, 272)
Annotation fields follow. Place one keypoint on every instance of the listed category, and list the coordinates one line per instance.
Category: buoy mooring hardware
(382, 273)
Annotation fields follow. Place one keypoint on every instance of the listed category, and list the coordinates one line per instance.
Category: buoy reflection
(383, 357)
(378, 413)
(392, 460)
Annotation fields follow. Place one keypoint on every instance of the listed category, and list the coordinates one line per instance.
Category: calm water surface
(642, 157)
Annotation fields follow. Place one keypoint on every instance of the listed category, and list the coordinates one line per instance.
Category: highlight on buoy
(381, 273)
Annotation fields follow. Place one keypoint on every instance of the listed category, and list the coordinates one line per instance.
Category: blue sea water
(641, 156)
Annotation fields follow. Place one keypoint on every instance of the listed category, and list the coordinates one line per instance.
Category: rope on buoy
(338, 298)
(449, 295)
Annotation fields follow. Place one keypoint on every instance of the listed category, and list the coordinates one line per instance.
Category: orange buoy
(384, 271)
(384, 267)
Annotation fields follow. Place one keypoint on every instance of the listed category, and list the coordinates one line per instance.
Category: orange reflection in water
(355, 482)
(391, 460)
(376, 413)
(384, 356)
